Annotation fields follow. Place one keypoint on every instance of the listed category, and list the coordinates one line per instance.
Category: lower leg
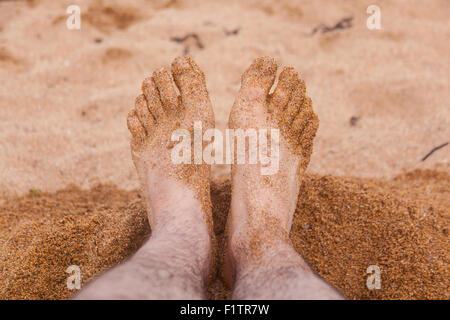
(172, 264)
(277, 271)
(260, 256)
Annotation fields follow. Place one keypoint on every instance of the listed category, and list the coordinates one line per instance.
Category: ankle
(171, 203)
(277, 254)
(179, 221)
(252, 244)
(186, 245)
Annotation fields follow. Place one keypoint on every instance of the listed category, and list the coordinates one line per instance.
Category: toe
(287, 83)
(167, 90)
(259, 78)
(188, 76)
(153, 100)
(306, 139)
(296, 102)
(191, 82)
(135, 126)
(143, 113)
(304, 117)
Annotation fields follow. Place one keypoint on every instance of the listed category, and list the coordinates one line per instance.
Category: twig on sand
(194, 36)
(231, 32)
(344, 23)
(433, 150)
(354, 120)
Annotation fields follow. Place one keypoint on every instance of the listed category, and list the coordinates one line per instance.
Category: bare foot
(174, 262)
(262, 207)
(260, 202)
(171, 188)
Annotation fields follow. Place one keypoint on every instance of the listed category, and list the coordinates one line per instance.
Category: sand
(381, 97)
(341, 226)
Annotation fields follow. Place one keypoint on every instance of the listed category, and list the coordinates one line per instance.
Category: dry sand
(381, 96)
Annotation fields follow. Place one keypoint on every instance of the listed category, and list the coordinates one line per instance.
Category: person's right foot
(262, 207)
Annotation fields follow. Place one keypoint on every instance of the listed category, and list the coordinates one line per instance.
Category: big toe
(287, 81)
(190, 80)
(259, 77)
(188, 76)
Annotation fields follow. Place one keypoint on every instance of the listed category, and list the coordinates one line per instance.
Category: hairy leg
(280, 273)
(260, 260)
(174, 262)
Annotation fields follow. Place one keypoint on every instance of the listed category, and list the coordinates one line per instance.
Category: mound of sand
(381, 96)
(341, 226)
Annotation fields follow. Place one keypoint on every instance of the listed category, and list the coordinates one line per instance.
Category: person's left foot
(158, 111)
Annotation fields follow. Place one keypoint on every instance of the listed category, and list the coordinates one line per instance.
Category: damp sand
(341, 226)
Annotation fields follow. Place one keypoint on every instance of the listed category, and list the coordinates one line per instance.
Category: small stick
(344, 23)
(433, 150)
(198, 42)
(231, 32)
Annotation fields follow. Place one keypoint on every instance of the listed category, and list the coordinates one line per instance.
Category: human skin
(261, 262)
(174, 263)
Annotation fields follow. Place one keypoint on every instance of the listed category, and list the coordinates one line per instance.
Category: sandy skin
(174, 262)
(260, 261)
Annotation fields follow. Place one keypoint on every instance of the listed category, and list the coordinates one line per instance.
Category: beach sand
(341, 227)
(68, 188)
